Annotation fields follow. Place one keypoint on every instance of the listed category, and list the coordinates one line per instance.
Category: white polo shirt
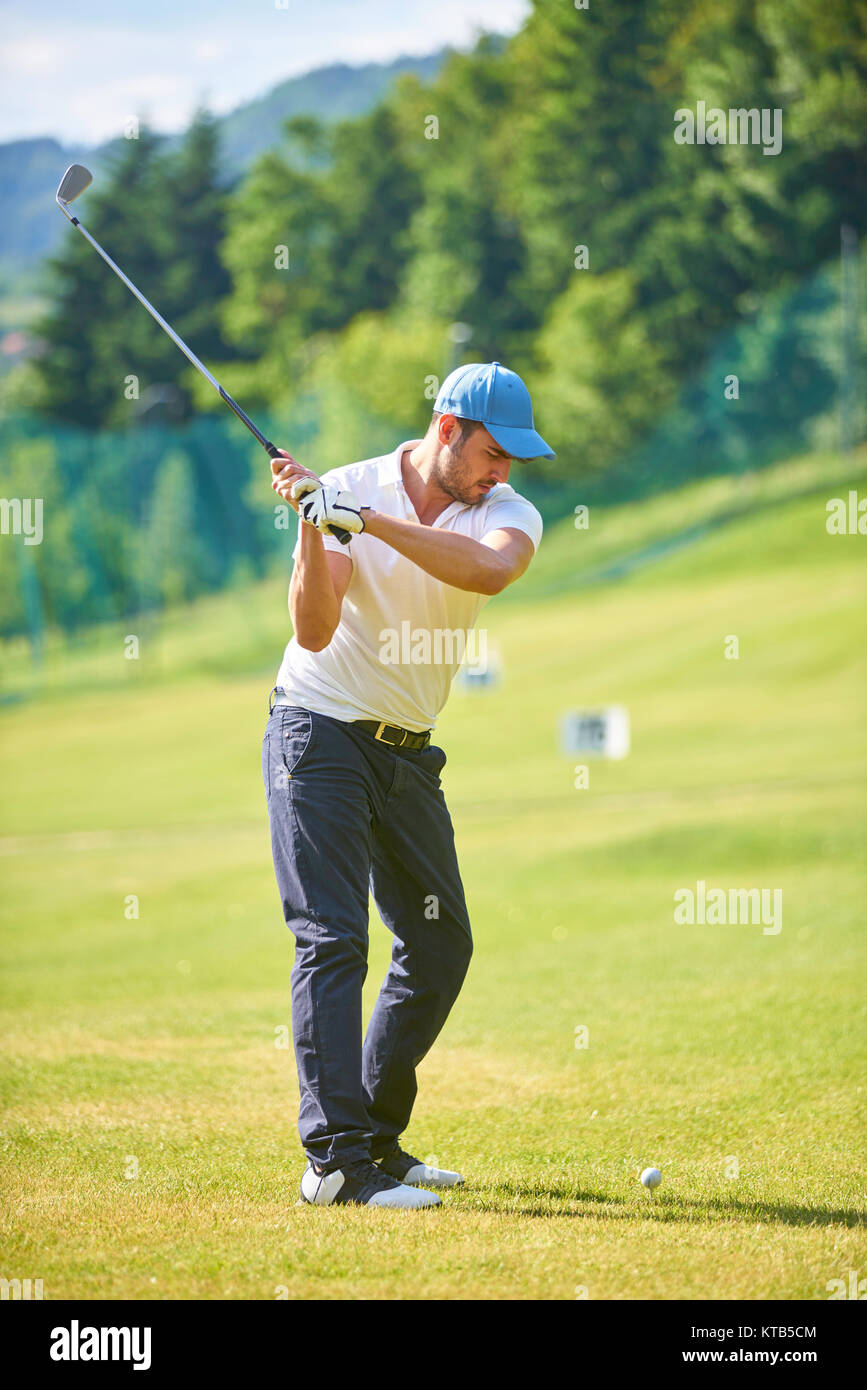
(402, 633)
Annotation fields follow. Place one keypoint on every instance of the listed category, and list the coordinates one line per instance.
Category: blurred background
(334, 205)
(332, 246)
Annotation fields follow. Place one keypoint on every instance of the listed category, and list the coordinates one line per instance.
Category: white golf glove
(324, 506)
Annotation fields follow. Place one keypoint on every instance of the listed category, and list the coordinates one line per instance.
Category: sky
(79, 70)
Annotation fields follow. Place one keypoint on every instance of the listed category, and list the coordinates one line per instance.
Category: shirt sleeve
(330, 543)
(514, 511)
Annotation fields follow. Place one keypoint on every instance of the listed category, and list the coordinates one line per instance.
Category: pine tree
(169, 560)
(195, 281)
(96, 334)
(161, 218)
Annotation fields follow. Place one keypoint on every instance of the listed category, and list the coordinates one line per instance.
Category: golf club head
(74, 181)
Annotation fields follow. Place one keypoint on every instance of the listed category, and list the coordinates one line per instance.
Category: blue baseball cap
(490, 393)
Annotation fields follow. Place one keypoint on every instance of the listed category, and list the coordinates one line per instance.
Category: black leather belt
(393, 735)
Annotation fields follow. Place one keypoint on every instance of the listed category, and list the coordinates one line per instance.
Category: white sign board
(600, 733)
(482, 668)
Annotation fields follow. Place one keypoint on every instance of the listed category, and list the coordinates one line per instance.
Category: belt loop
(271, 701)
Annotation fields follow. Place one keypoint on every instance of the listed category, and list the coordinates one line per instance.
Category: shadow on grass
(553, 1201)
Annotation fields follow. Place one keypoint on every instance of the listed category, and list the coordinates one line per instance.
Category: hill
(332, 93)
(31, 169)
(31, 227)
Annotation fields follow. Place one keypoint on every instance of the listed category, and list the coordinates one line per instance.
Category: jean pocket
(296, 739)
(434, 762)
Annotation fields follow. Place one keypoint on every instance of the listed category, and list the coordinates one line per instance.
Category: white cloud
(80, 80)
(210, 51)
(31, 58)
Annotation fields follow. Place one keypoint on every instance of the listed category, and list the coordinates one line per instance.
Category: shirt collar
(389, 470)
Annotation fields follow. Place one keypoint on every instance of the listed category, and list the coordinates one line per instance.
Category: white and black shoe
(404, 1168)
(362, 1184)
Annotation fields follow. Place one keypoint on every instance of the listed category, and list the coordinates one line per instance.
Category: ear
(446, 427)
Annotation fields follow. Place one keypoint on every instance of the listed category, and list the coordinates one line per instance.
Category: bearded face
(469, 467)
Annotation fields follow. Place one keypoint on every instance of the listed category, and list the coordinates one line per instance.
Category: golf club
(75, 181)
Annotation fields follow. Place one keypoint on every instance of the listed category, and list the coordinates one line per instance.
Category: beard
(454, 477)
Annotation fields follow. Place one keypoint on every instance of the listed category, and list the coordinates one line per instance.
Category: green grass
(153, 1039)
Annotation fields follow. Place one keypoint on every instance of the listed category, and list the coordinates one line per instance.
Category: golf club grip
(336, 531)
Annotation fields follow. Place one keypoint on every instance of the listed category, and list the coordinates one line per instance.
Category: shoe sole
(380, 1206)
(428, 1182)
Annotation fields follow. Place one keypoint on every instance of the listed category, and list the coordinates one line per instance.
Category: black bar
(226, 1339)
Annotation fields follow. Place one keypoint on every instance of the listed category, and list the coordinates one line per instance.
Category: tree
(593, 349)
(161, 218)
(582, 142)
(467, 252)
(317, 234)
(195, 280)
(169, 559)
(96, 333)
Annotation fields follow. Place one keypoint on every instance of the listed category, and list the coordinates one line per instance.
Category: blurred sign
(482, 669)
(598, 733)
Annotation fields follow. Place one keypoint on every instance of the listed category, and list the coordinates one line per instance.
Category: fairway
(149, 1085)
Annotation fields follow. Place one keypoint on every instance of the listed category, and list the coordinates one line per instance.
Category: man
(351, 776)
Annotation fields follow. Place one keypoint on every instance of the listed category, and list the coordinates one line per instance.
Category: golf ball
(651, 1177)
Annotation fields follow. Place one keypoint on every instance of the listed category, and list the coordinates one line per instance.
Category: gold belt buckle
(402, 732)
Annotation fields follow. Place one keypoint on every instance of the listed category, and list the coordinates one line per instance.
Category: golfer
(353, 780)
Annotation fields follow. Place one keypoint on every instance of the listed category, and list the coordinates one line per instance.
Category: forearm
(454, 559)
(312, 601)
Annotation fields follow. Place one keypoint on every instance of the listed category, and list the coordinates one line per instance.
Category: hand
(327, 507)
(286, 472)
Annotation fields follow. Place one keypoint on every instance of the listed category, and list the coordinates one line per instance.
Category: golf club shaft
(273, 451)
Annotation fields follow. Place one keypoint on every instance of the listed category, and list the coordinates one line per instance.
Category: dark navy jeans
(348, 812)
